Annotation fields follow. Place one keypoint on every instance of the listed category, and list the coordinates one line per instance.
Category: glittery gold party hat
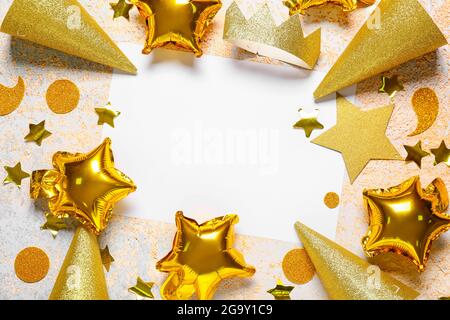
(81, 276)
(397, 32)
(261, 35)
(346, 276)
(66, 26)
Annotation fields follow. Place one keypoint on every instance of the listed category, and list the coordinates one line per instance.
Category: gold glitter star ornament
(360, 136)
(83, 186)
(182, 22)
(201, 257)
(406, 219)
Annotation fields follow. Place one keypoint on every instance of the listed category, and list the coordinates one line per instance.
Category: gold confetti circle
(331, 200)
(297, 266)
(62, 96)
(31, 265)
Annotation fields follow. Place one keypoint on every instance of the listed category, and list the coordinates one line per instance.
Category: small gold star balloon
(390, 86)
(441, 154)
(416, 153)
(54, 224)
(308, 122)
(406, 219)
(121, 9)
(300, 6)
(281, 292)
(201, 257)
(83, 186)
(37, 133)
(106, 115)
(182, 22)
(142, 289)
(15, 174)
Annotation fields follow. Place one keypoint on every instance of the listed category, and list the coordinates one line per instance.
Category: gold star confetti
(416, 153)
(107, 258)
(142, 288)
(308, 122)
(182, 23)
(359, 135)
(281, 292)
(444, 298)
(441, 154)
(54, 224)
(15, 174)
(106, 115)
(390, 86)
(37, 133)
(121, 9)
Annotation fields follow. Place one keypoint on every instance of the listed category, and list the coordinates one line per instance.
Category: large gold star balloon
(182, 22)
(201, 256)
(83, 186)
(405, 219)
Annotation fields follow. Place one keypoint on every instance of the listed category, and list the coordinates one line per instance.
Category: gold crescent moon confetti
(331, 200)
(297, 267)
(31, 265)
(62, 96)
(10, 98)
(425, 103)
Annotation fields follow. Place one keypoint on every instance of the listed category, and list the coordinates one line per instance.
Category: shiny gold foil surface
(300, 6)
(406, 219)
(81, 276)
(83, 186)
(201, 257)
(260, 35)
(66, 26)
(397, 32)
(346, 276)
(180, 22)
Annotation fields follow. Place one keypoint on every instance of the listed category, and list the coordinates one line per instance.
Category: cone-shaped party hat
(81, 276)
(346, 276)
(66, 26)
(397, 32)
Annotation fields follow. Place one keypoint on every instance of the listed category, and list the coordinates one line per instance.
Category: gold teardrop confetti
(426, 106)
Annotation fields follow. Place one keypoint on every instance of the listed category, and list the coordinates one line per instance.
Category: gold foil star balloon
(83, 186)
(406, 219)
(201, 257)
(182, 22)
(299, 6)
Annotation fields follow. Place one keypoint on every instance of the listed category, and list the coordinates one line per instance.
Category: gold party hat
(260, 35)
(404, 32)
(346, 276)
(66, 26)
(81, 276)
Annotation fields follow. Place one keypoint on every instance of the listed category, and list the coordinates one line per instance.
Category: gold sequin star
(416, 153)
(308, 122)
(281, 292)
(107, 258)
(441, 154)
(142, 288)
(390, 86)
(121, 9)
(37, 133)
(359, 135)
(54, 224)
(106, 115)
(15, 174)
